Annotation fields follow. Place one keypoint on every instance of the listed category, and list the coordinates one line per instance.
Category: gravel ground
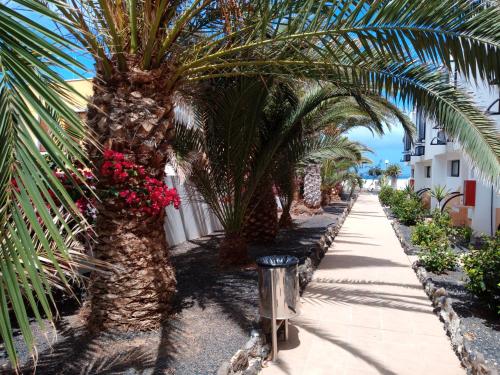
(214, 311)
(479, 324)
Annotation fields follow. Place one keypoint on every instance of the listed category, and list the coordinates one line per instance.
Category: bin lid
(274, 261)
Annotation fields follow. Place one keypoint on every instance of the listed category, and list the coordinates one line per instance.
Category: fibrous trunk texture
(131, 113)
(312, 186)
(135, 295)
(261, 220)
(233, 250)
(286, 220)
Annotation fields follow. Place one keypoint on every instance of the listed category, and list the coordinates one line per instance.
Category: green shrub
(462, 235)
(442, 219)
(425, 233)
(409, 211)
(440, 226)
(385, 195)
(438, 257)
(397, 199)
(482, 266)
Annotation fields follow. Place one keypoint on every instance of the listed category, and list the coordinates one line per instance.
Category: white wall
(439, 157)
(192, 220)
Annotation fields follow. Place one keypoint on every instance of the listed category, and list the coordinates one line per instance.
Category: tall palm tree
(39, 221)
(393, 171)
(147, 51)
(334, 114)
(235, 145)
(338, 116)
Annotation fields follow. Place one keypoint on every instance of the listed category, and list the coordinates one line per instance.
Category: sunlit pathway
(365, 311)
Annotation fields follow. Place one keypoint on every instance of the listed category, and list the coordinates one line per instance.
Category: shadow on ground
(213, 313)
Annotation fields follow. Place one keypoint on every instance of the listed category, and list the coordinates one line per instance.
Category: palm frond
(38, 218)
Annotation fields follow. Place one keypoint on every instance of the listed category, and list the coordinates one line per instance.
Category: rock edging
(472, 360)
(248, 360)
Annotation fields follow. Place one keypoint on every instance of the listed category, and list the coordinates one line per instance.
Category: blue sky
(388, 147)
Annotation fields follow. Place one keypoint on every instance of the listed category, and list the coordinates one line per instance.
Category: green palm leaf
(38, 219)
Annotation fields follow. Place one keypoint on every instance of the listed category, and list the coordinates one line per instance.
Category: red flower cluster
(141, 192)
(118, 169)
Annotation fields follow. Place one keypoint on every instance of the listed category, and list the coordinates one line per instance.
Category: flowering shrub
(129, 182)
(84, 202)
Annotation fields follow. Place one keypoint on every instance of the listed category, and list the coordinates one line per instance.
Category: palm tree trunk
(286, 220)
(312, 186)
(233, 250)
(131, 114)
(136, 294)
(261, 220)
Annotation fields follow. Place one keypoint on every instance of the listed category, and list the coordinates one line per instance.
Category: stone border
(248, 360)
(472, 360)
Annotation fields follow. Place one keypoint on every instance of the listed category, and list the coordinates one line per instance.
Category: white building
(436, 159)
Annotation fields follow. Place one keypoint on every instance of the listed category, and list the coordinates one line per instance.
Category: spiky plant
(236, 147)
(39, 221)
(146, 51)
(439, 193)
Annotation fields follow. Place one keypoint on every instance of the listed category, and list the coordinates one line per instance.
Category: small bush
(482, 266)
(385, 195)
(425, 233)
(397, 199)
(462, 235)
(409, 211)
(442, 219)
(438, 257)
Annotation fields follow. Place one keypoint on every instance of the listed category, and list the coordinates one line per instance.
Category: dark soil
(213, 313)
(480, 325)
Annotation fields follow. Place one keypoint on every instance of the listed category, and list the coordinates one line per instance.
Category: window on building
(420, 123)
(455, 168)
(428, 172)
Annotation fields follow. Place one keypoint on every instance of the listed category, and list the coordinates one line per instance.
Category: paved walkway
(365, 311)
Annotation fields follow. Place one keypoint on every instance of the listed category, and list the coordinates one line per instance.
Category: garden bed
(214, 313)
(472, 326)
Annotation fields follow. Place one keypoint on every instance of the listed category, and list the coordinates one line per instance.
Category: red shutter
(470, 193)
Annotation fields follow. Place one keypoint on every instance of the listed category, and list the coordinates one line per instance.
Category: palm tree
(336, 112)
(393, 171)
(39, 222)
(237, 144)
(335, 173)
(303, 153)
(338, 116)
(148, 52)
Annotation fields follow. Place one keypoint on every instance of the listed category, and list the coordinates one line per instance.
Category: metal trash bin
(278, 292)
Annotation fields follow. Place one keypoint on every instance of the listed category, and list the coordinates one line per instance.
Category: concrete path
(365, 311)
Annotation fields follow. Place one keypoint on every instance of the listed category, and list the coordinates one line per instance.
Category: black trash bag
(272, 261)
